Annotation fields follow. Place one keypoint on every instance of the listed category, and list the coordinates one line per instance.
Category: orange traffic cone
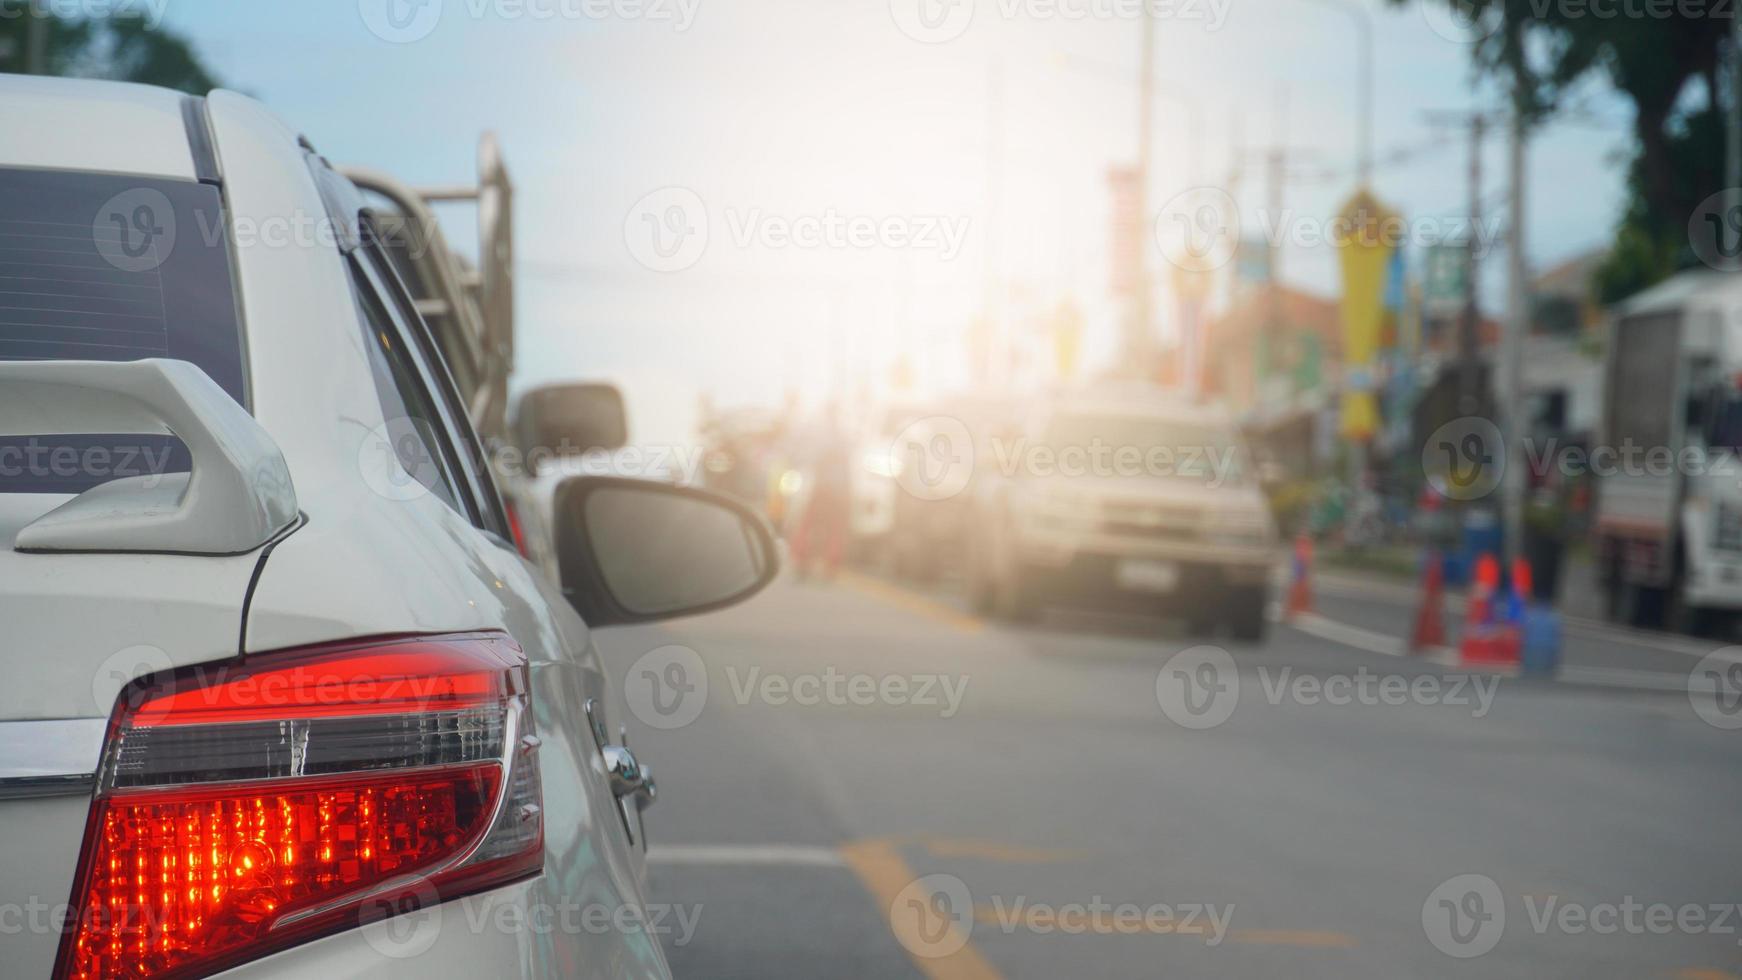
(1518, 599)
(1479, 605)
(1300, 591)
(1483, 642)
(1430, 620)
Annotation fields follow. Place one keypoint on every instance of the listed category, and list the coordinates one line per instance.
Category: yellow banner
(1366, 234)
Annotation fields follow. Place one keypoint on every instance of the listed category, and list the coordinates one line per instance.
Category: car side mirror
(569, 419)
(634, 551)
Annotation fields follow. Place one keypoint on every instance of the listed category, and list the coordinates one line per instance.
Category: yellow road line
(1699, 973)
(913, 602)
(887, 876)
(1046, 923)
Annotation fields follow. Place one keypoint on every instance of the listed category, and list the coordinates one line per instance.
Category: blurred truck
(1669, 490)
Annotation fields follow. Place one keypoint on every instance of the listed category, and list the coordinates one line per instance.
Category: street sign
(1445, 272)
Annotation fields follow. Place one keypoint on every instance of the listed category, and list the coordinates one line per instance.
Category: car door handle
(628, 777)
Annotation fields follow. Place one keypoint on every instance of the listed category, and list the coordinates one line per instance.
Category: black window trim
(462, 444)
(371, 305)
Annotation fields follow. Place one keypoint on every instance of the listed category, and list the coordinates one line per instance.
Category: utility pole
(1142, 327)
(1511, 374)
(1469, 340)
(1275, 173)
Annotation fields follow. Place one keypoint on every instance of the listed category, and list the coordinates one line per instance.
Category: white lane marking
(1594, 628)
(782, 854)
(1353, 636)
(1619, 677)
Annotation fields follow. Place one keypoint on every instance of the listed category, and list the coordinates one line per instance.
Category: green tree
(123, 47)
(1668, 67)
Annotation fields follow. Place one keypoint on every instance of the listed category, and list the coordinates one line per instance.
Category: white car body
(358, 565)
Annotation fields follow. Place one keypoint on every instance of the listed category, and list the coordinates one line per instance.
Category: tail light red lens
(248, 807)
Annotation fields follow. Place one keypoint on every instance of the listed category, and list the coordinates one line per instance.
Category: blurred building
(1563, 354)
(1272, 359)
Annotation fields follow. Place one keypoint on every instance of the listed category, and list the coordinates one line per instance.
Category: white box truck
(1669, 487)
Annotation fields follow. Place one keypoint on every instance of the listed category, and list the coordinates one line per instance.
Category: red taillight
(244, 808)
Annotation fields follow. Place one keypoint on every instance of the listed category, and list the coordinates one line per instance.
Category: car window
(111, 268)
(413, 427)
(445, 429)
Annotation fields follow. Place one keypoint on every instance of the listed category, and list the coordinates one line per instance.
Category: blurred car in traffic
(1133, 499)
(873, 481)
(938, 460)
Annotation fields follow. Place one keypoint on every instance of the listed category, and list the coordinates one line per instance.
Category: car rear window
(111, 268)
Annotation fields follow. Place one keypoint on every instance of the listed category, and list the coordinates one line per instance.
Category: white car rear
(251, 709)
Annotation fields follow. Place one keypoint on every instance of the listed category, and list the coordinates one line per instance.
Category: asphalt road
(861, 781)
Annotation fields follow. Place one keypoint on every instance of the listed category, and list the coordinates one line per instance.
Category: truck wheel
(1642, 606)
(1246, 619)
(1679, 617)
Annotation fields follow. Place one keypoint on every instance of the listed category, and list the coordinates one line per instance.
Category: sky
(849, 175)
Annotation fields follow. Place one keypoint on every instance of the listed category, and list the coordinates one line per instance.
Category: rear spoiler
(238, 497)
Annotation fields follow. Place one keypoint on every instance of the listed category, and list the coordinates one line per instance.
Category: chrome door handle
(628, 777)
